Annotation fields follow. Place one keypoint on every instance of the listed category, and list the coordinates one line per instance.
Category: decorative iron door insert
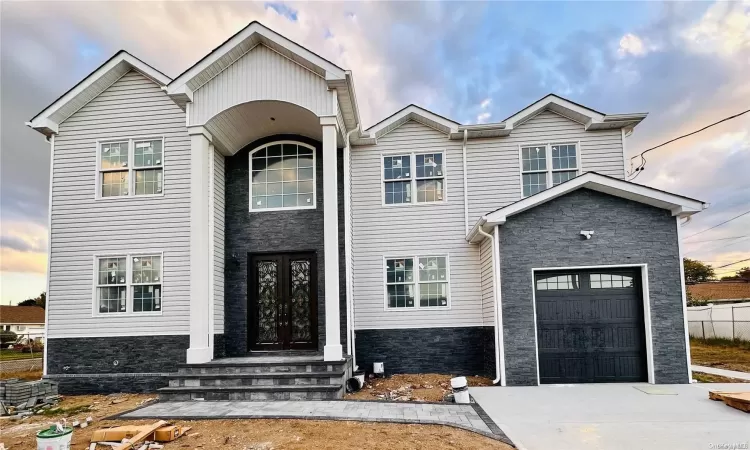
(282, 299)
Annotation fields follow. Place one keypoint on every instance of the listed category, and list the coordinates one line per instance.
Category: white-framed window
(130, 167)
(415, 282)
(128, 283)
(20, 328)
(547, 165)
(413, 178)
(282, 176)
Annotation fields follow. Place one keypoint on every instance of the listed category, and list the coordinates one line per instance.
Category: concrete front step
(275, 392)
(262, 367)
(257, 379)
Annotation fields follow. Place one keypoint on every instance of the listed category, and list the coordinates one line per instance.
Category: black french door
(282, 301)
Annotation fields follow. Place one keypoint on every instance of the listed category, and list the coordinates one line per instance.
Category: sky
(686, 64)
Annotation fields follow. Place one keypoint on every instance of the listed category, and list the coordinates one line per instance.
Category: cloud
(485, 103)
(483, 117)
(631, 44)
(725, 28)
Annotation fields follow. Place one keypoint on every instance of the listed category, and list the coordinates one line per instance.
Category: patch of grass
(28, 375)
(701, 377)
(10, 355)
(721, 353)
(67, 411)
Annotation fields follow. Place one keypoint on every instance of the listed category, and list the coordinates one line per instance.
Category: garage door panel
(587, 332)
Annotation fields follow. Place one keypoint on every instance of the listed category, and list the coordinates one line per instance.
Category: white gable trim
(48, 121)
(678, 205)
(411, 112)
(327, 69)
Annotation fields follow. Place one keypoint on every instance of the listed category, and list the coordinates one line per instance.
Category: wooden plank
(138, 438)
(737, 400)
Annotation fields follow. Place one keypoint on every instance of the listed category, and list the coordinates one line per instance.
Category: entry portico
(259, 84)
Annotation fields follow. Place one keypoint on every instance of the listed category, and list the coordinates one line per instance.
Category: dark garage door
(590, 326)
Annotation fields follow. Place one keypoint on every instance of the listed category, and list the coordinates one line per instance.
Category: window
(423, 173)
(20, 328)
(429, 284)
(130, 167)
(557, 282)
(128, 283)
(283, 177)
(547, 165)
(610, 281)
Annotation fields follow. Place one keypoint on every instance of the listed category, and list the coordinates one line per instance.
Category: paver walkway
(722, 372)
(460, 416)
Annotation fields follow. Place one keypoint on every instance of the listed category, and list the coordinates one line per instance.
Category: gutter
(499, 344)
(466, 186)
(350, 348)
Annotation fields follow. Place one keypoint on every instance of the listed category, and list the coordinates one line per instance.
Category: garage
(590, 326)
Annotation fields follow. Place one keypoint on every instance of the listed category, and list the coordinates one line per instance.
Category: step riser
(227, 396)
(315, 381)
(281, 368)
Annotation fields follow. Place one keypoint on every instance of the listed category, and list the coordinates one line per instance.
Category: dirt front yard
(429, 387)
(244, 434)
(721, 353)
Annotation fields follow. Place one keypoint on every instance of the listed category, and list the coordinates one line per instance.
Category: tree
(40, 301)
(741, 275)
(696, 271)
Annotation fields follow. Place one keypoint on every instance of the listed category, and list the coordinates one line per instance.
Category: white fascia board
(676, 204)
(538, 106)
(412, 112)
(331, 70)
(42, 120)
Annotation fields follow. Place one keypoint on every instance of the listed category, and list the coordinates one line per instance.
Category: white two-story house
(241, 211)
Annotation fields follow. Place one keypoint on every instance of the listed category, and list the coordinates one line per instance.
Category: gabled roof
(405, 114)
(679, 205)
(122, 62)
(590, 118)
(21, 315)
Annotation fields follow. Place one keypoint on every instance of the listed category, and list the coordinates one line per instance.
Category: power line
(720, 239)
(643, 159)
(714, 249)
(722, 223)
(731, 264)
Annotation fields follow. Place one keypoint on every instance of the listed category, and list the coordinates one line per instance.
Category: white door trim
(646, 310)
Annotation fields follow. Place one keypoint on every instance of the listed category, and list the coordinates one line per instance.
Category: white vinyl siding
(494, 164)
(82, 227)
(424, 229)
(261, 74)
(487, 279)
(219, 183)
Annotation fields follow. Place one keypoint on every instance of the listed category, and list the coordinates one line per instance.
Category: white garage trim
(646, 310)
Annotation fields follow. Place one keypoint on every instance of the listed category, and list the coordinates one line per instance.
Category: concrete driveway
(616, 416)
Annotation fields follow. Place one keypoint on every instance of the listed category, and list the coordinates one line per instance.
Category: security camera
(587, 234)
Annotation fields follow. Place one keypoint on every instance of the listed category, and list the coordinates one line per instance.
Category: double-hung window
(130, 167)
(410, 173)
(547, 165)
(128, 283)
(417, 282)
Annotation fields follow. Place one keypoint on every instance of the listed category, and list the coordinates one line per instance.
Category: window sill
(419, 308)
(129, 314)
(296, 208)
(128, 197)
(404, 205)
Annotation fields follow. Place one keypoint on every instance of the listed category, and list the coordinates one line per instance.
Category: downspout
(350, 348)
(499, 344)
(466, 187)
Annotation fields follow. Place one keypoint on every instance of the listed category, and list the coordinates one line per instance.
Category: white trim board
(646, 310)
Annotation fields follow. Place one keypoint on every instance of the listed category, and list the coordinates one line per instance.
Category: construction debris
(737, 400)
(137, 437)
(24, 398)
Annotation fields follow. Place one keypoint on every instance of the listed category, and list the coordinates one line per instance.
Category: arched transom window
(282, 176)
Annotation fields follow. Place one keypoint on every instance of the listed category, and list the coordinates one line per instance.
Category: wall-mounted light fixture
(587, 234)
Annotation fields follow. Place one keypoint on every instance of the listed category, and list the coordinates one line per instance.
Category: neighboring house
(23, 320)
(720, 290)
(242, 208)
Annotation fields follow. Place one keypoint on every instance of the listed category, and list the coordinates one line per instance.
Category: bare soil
(244, 434)
(721, 354)
(430, 387)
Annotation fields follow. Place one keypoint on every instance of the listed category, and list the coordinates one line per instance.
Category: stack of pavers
(26, 394)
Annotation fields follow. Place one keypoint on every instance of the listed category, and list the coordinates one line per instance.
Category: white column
(332, 350)
(200, 350)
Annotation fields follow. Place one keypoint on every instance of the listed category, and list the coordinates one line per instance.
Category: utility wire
(731, 264)
(639, 169)
(722, 223)
(720, 239)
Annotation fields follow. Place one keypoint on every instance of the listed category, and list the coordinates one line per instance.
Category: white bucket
(54, 438)
(361, 377)
(378, 368)
(460, 390)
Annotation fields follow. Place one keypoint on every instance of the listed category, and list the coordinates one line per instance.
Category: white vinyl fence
(720, 321)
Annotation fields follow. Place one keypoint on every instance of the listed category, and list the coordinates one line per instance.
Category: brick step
(262, 367)
(256, 379)
(275, 392)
